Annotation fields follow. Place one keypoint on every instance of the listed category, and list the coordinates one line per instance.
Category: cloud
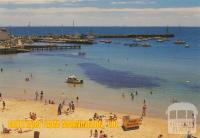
(36, 1)
(91, 16)
(95, 9)
(133, 2)
(39, 1)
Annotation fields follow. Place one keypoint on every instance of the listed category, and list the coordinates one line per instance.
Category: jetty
(50, 47)
(167, 35)
(12, 50)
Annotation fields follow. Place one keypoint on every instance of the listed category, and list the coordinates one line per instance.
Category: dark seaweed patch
(118, 79)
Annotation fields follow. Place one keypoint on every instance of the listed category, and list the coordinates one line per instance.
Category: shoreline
(18, 109)
(137, 110)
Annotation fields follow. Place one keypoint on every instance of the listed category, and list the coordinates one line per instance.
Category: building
(4, 35)
(182, 118)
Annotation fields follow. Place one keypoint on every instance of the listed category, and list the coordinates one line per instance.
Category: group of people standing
(144, 107)
(97, 134)
(132, 95)
(37, 95)
(71, 107)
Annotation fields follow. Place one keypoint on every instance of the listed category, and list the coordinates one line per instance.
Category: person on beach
(136, 93)
(77, 98)
(0, 97)
(95, 134)
(33, 115)
(73, 106)
(193, 120)
(70, 107)
(5, 130)
(59, 109)
(189, 135)
(41, 95)
(144, 101)
(4, 105)
(1, 69)
(36, 95)
(144, 110)
(101, 134)
(132, 96)
(52, 102)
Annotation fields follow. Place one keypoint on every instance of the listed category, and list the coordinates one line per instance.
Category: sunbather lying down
(19, 130)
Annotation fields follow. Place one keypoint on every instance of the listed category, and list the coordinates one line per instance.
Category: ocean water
(108, 70)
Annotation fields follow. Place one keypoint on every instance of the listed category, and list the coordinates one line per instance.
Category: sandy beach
(19, 109)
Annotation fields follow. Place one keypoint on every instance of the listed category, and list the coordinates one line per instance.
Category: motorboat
(73, 80)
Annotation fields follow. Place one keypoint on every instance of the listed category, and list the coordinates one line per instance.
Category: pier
(50, 47)
(167, 35)
(12, 50)
(29, 48)
(70, 41)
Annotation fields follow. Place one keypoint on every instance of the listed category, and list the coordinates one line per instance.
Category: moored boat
(106, 41)
(187, 46)
(179, 42)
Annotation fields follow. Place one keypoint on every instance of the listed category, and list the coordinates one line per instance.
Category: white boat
(187, 46)
(73, 79)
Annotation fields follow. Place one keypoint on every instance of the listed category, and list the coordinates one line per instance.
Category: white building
(182, 118)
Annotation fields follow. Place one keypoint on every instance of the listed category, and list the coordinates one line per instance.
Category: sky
(100, 12)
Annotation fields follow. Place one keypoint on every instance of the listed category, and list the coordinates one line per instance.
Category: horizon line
(93, 26)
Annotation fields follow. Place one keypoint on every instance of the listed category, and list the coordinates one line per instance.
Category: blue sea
(170, 71)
